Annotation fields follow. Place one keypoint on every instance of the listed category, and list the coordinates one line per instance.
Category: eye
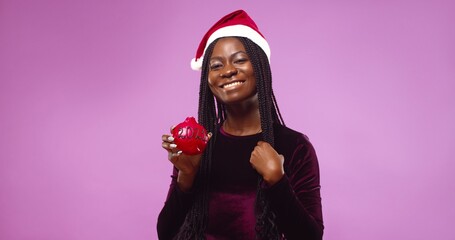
(215, 66)
(240, 60)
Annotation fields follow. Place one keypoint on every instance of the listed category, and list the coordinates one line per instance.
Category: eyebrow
(219, 58)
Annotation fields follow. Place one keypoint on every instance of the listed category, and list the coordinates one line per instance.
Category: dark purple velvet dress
(295, 199)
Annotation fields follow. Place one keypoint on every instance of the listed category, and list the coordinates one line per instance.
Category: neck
(243, 119)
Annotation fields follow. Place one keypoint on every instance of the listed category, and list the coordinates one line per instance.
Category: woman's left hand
(267, 162)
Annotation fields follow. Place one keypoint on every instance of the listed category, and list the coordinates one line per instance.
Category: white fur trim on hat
(196, 64)
(233, 31)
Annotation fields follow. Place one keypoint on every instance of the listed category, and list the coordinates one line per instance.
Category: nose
(229, 71)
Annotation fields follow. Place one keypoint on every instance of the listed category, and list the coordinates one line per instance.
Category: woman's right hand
(188, 165)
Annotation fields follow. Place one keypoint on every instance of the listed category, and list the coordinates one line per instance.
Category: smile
(232, 84)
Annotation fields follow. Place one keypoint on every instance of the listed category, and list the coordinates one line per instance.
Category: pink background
(88, 87)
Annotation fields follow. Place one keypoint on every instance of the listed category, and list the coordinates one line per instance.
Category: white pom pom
(196, 64)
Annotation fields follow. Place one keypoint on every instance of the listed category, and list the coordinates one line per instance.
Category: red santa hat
(235, 24)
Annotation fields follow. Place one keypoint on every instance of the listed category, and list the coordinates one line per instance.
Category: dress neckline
(224, 133)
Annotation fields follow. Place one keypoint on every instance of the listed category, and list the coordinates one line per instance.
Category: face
(231, 77)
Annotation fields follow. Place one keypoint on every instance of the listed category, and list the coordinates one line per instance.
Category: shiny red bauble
(190, 136)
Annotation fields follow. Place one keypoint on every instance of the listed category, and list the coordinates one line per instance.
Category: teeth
(232, 84)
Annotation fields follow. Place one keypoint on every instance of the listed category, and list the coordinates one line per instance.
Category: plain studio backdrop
(87, 88)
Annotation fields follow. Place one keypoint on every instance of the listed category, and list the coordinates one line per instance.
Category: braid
(196, 219)
(268, 108)
(210, 115)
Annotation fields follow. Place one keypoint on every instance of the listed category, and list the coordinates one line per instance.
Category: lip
(232, 81)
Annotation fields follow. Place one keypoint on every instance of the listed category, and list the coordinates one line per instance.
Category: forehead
(227, 46)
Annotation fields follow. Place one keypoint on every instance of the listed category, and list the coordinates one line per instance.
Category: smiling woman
(257, 179)
(231, 76)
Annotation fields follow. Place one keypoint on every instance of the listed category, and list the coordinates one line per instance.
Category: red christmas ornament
(190, 136)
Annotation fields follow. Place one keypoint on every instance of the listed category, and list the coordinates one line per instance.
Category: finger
(263, 144)
(209, 135)
(166, 146)
(167, 138)
(253, 156)
(253, 164)
(257, 148)
(171, 147)
(174, 155)
(172, 127)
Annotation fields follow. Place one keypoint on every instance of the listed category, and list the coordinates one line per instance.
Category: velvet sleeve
(295, 199)
(174, 211)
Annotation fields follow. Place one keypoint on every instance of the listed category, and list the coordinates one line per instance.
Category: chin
(234, 100)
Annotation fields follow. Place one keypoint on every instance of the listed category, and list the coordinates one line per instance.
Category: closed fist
(267, 162)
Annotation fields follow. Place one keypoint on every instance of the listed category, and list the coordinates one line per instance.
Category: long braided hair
(211, 114)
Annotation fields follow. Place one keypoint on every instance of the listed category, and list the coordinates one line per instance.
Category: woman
(257, 179)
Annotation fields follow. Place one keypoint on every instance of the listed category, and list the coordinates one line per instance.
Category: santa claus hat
(235, 24)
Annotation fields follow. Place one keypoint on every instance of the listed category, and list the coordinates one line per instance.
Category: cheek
(211, 85)
(250, 70)
(212, 89)
(247, 70)
(212, 81)
(210, 78)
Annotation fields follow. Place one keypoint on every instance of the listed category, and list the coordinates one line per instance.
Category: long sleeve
(174, 211)
(295, 199)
